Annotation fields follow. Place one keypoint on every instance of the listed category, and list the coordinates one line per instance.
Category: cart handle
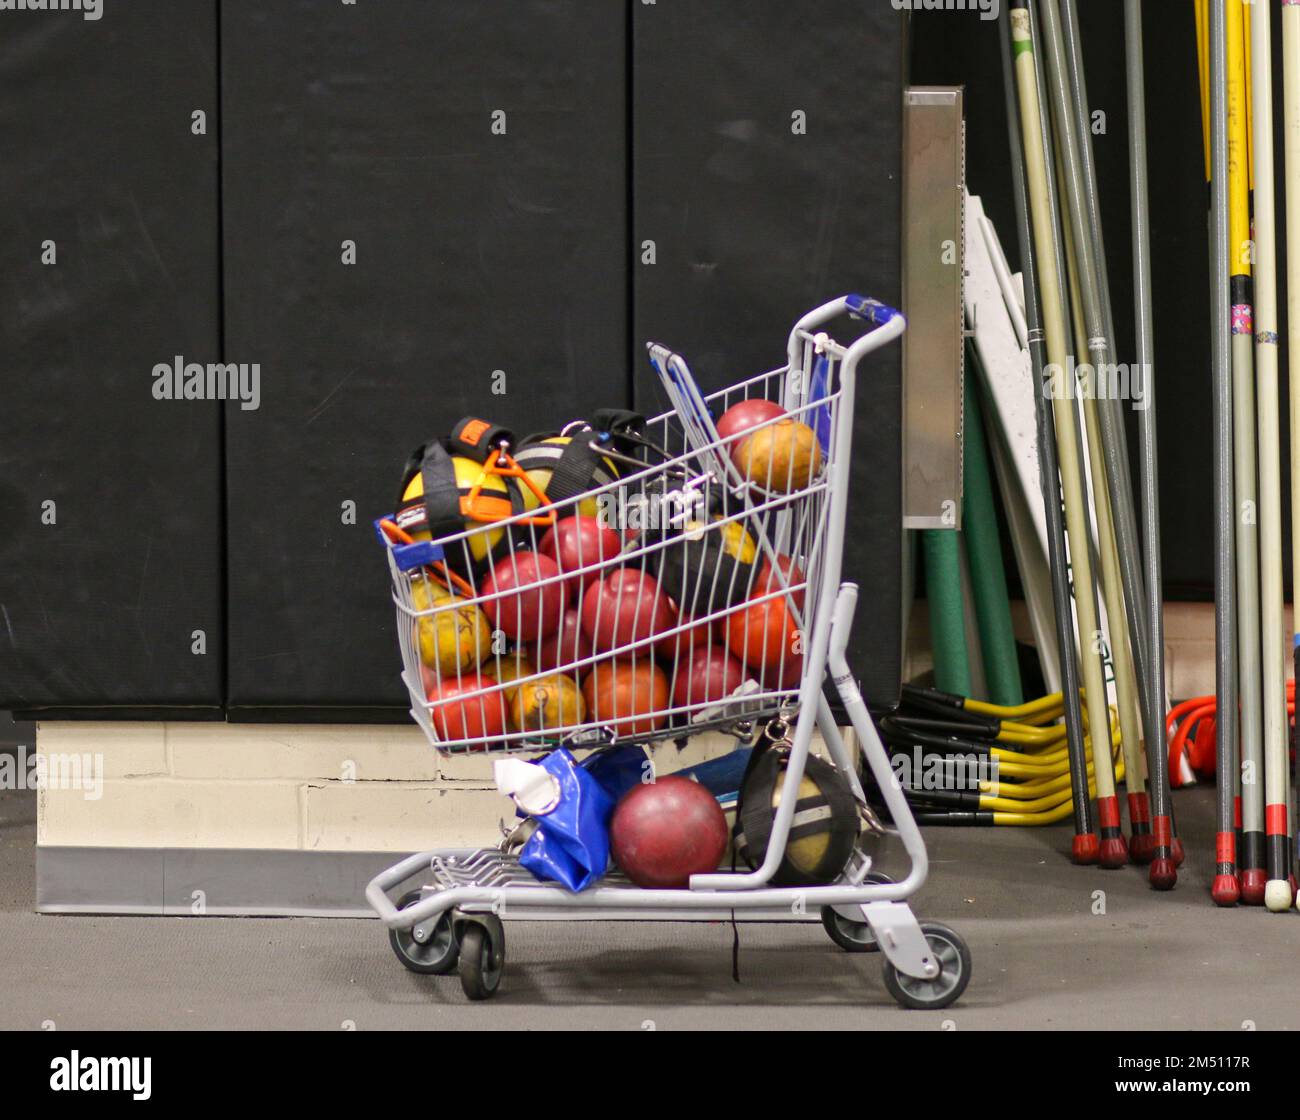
(872, 311)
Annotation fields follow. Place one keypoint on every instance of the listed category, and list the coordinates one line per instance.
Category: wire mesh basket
(664, 602)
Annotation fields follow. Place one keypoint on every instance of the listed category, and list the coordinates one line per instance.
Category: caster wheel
(482, 959)
(436, 954)
(851, 936)
(946, 988)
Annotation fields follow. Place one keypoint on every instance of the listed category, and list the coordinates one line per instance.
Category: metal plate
(934, 161)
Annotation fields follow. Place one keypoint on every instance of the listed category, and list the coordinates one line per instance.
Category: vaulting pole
(1048, 252)
(1110, 411)
(1278, 892)
(1224, 889)
(1113, 850)
(1162, 835)
(1107, 555)
(1084, 846)
(1134, 551)
(1256, 762)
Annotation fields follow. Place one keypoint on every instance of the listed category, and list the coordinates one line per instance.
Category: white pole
(1275, 810)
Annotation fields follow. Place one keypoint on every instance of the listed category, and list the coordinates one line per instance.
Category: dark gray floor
(1042, 959)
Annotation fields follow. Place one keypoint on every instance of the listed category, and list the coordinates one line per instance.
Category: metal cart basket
(750, 558)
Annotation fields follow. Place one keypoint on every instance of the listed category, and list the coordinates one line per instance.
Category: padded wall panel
(100, 607)
(475, 252)
(753, 224)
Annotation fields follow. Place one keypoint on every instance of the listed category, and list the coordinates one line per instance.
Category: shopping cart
(732, 549)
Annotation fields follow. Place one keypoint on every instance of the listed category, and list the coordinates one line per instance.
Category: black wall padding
(100, 608)
(475, 252)
(753, 225)
(953, 47)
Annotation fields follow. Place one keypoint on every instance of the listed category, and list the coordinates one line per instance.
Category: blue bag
(617, 769)
(721, 776)
(571, 843)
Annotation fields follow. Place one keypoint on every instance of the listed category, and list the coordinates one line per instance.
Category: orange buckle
(505, 467)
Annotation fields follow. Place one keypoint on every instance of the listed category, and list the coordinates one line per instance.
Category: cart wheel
(851, 936)
(954, 972)
(482, 959)
(436, 955)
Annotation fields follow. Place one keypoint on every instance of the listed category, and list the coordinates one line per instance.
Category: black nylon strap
(573, 469)
(441, 494)
(476, 439)
(441, 499)
(755, 818)
(756, 754)
(754, 809)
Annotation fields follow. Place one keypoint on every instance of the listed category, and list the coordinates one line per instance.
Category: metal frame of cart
(455, 919)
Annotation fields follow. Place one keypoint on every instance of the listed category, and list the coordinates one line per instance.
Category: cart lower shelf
(494, 870)
(453, 920)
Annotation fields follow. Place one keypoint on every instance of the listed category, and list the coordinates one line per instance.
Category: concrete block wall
(294, 787)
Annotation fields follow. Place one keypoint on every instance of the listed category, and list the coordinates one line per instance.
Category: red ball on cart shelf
(629, 697)
(664, 832)
(576, 544)
(460, 709)
(566, 646)
(707, 675)
(626, 606)
(532, 609)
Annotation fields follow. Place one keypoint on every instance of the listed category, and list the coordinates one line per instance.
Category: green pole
(941, 550)
(984, 550)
